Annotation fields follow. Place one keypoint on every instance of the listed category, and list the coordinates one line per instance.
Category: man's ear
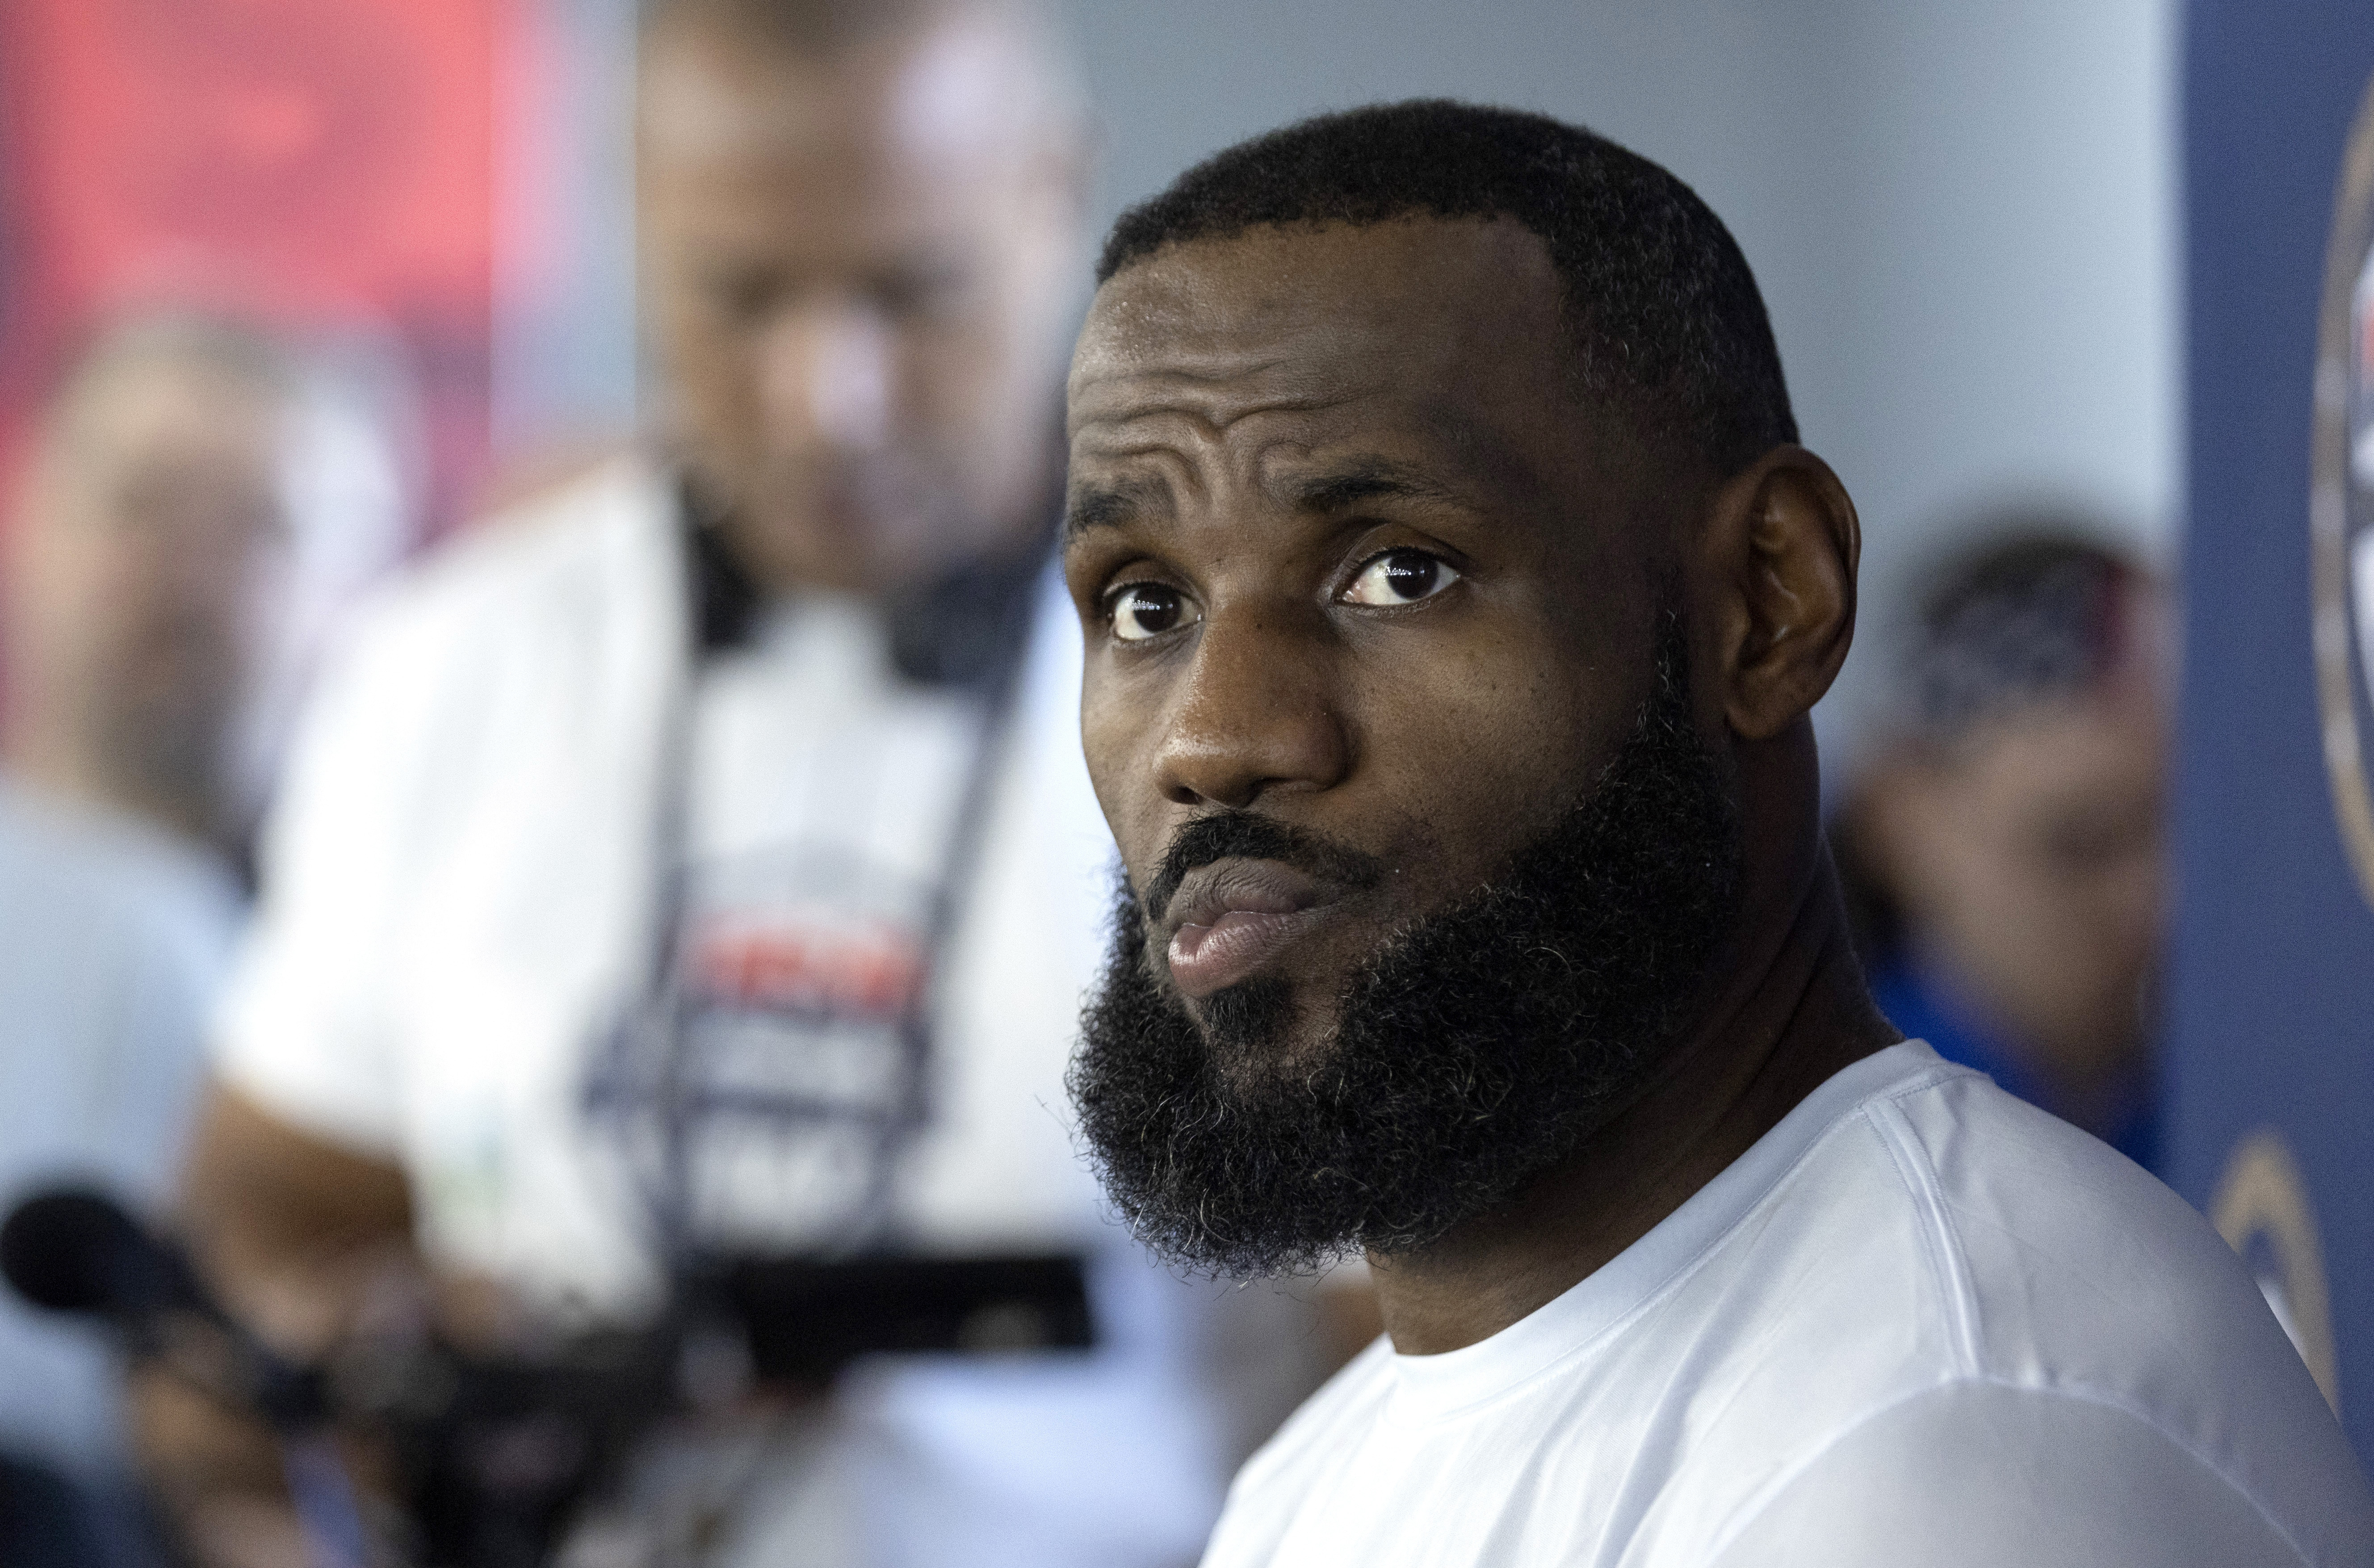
(1780, 549)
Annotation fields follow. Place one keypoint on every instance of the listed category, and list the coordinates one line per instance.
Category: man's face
(855, 271)
(2029, 856)
(1348, 555)
(149, 575)
(1371, 598)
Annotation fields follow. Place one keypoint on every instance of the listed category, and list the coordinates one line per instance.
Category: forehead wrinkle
(1112, 501)
(1167, 453)
(1211, 413)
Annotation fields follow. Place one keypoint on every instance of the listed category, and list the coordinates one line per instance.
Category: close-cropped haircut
(824, 29)
(1665, 315)
(806, 27)
(2036, 611)
(1048, 84)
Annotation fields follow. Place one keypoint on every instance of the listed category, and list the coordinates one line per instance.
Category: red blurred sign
(322, 161)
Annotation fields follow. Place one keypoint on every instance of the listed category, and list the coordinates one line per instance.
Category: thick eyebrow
(1091, 507)
(1368, 478)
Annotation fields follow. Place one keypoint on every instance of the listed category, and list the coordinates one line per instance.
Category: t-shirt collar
(1577, 1322)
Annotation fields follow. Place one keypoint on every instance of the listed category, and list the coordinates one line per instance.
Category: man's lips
(1229, 918)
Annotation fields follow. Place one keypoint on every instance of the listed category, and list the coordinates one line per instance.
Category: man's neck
(1793, 1013)
(66, 772)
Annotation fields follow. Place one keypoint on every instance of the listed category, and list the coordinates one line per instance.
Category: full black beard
(1470, 1052)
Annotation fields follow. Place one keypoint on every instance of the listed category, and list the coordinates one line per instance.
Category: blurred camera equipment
(495, 1453)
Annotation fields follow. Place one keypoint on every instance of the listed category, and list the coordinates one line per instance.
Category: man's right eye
(743, 299)
(1149, 610)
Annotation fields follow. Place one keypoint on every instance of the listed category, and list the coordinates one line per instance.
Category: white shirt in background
(1919, 1323)
(460, 891)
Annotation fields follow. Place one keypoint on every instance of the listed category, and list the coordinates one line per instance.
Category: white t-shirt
(1917, 1323)
(461, 887)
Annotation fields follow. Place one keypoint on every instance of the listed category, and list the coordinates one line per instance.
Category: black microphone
(73, 1250)
(76, 1250)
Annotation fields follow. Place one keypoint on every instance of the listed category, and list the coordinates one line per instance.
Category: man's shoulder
(2037, 1250)
(93, 868)
(2060, 1257)
(530, 636)
(1939, 1273)
(1958, 1253)
(1973, 1474)
(559, 560)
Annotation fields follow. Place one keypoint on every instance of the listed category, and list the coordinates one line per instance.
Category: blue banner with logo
(2270, 1074)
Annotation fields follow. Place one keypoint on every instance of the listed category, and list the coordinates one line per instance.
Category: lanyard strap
(990, 608)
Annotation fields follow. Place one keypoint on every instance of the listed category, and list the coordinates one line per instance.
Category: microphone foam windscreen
(59, 1249)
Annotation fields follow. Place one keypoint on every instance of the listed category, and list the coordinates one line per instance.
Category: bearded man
(1455, 592)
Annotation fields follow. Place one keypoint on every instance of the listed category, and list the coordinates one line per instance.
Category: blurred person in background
(152, 587)
(203, 499)
(2001, 838)
(151, 540)
(696, 866)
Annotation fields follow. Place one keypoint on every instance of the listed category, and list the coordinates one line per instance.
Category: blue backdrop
(2272, 1071)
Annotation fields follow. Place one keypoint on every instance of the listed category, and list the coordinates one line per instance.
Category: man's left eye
(1401, 577)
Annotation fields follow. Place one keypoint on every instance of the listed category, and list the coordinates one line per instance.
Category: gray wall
(564, 340)
(1963, 215)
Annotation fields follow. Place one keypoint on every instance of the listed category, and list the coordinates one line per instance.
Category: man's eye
(742, 299)
(919, 293)
(1401, 577)
(1149, 609)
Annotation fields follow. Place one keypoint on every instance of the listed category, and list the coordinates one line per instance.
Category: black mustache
(1244, 835)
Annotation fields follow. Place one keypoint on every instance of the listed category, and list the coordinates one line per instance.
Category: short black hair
(2037, 609)
(1663, 304)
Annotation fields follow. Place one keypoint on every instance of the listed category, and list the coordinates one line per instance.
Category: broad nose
(826, 377)
(1258, 712)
